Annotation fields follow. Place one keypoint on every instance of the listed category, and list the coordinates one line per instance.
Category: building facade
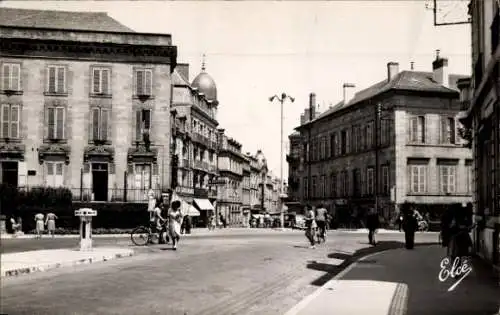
(84, 105)
(195, 137)
(391, 143)
(482, 119)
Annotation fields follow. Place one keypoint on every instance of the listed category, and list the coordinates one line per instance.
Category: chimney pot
(312, 106)
(392, 70)
(348, 89)
(440, 70)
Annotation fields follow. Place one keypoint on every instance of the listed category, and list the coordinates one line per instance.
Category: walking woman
(39, 224)
(50, 222)
(174, 224)
(311, 226)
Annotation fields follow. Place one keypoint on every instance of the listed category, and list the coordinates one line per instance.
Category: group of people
(213, 222)
(166, 218)
(316, 224)
(41, 222)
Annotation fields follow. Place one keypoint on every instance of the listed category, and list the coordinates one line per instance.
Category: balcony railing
(185, 190)
(201, 192)
(113, 195)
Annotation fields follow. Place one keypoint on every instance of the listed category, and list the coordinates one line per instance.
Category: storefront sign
(454, 270)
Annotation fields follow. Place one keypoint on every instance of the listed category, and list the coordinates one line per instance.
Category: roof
(406, 80)
(178, 79)
(88, 21)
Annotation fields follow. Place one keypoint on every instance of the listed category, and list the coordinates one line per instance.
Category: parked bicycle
(144, 235)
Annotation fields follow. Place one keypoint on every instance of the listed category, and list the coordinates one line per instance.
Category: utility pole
(281, 100)
(378, 110)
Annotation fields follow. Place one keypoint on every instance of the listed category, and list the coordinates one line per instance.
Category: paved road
(477, 294)
(231, 275)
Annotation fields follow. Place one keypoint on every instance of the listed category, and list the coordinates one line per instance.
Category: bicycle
(144, 235)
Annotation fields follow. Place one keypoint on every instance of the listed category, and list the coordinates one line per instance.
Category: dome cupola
(205, 84)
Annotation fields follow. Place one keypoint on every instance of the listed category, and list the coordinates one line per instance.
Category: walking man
(372, 223)
(321, 215)
(410, 225)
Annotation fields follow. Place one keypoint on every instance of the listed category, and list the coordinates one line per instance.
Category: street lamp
(281, 100)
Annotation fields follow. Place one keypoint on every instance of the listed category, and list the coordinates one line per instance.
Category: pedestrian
(410, 225)
(400, 221)
(310, 226)
(321, 216)
(39, 224)
(372, 223)
(151, 203)
(175, 221)
(16, 226)
(159, 222)
(50, 222)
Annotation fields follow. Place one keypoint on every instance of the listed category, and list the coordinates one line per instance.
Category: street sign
(451, 12)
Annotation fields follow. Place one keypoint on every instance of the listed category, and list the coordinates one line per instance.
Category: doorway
(100, 181)
(10, 173)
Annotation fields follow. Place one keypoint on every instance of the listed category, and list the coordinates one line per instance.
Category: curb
(308, 299)
(50, 266)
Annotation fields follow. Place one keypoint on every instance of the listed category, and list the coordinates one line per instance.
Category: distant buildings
(85, 104)
(394, 142)
(482, 119)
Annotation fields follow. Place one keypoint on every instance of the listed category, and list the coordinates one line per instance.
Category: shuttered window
(143, 122)
(54, 176)
(56, 79)
(55, 122)
(143, 81)
(101, 81)
(10, 121)
(99, 121)
(11, 76)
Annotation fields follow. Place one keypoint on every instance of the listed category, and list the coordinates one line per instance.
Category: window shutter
(149, 82)
(14, 121)
(147, 119)
(104, 125)
(59, 176)
(51, 122)
(15, 81)
(105, 77)
(138, 125)
(95, 124)
(410, 129)
(453, 179)
(139, 82)
(5, 77)
(423, 178)
(61, 80)
(52, 79)
(60, 123)
(155, 169)
(96, 78)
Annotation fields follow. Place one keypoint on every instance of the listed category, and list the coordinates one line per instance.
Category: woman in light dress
(50, 222)
(39, 224)
(174, 222)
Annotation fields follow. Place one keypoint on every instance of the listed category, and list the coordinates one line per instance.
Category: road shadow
(332, 270)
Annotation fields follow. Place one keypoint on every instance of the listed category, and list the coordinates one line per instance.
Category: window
(143, 123)
(323, 186)
(385, 132)
(333, 184)
(10, 118)
(385, 180)
(354, 139)
(418, 178)
(346, 184)
(11, 77)
(469, 177)
(142, 176)
(100, 81)
(54, 177)
(448, 130)
(340, 184)
(313, 184)
(356, 182)
(56, 82)
(417, 129)
(55, 122)
(333, 141)
(99, 124)
(447, 178)
(369, 181)
(143, 81)
(369, 136)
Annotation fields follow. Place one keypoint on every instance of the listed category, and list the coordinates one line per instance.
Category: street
(240, 274)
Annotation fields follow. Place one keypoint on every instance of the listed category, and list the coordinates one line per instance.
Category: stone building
(196, 149)
(482, 118)
(85, 104)
(393, 142)
(230, 166)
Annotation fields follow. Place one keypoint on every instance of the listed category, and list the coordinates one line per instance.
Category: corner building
(84, 105)
(394, 142)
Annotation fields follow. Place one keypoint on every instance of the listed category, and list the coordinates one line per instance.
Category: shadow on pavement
(333, 270)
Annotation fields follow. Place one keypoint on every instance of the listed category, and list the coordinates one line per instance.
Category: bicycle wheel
(140, 236)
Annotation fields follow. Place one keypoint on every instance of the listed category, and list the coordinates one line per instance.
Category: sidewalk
(14, 264)
(403, 281)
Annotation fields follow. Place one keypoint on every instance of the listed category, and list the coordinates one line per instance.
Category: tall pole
(280, 204)
(377, 108)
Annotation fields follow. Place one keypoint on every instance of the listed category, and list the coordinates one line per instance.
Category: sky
(256, 49)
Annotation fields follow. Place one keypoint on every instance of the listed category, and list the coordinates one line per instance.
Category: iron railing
(113, 194)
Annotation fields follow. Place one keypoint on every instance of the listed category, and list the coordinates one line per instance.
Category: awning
(186, 208)
(204, 204)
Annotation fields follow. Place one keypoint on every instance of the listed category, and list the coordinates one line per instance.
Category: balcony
(185, 190)
(113, 195)
(198, 164)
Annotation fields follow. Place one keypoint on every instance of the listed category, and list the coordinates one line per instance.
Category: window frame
(418, 135)
(140, 130)
(386, 180)
(56, 79)
(63, 131)
(92, 80)
(11, 65)
(370, 181)
(51, 179)
(447, 179)
(448, 129)
(144, 88)
(100, 128)
(421, 173)
(9, 121)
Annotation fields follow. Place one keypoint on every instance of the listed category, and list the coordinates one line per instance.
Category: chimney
(392, 70)
(312, 106)
(412, 64)
(307, 114)
(440, 70)
(302, 119)
(349, 89)
(183, 69)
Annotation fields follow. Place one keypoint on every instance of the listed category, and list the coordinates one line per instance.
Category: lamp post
(281, 99)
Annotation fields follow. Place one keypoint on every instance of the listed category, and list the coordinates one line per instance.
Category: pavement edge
(46, 267)
(308, 299)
